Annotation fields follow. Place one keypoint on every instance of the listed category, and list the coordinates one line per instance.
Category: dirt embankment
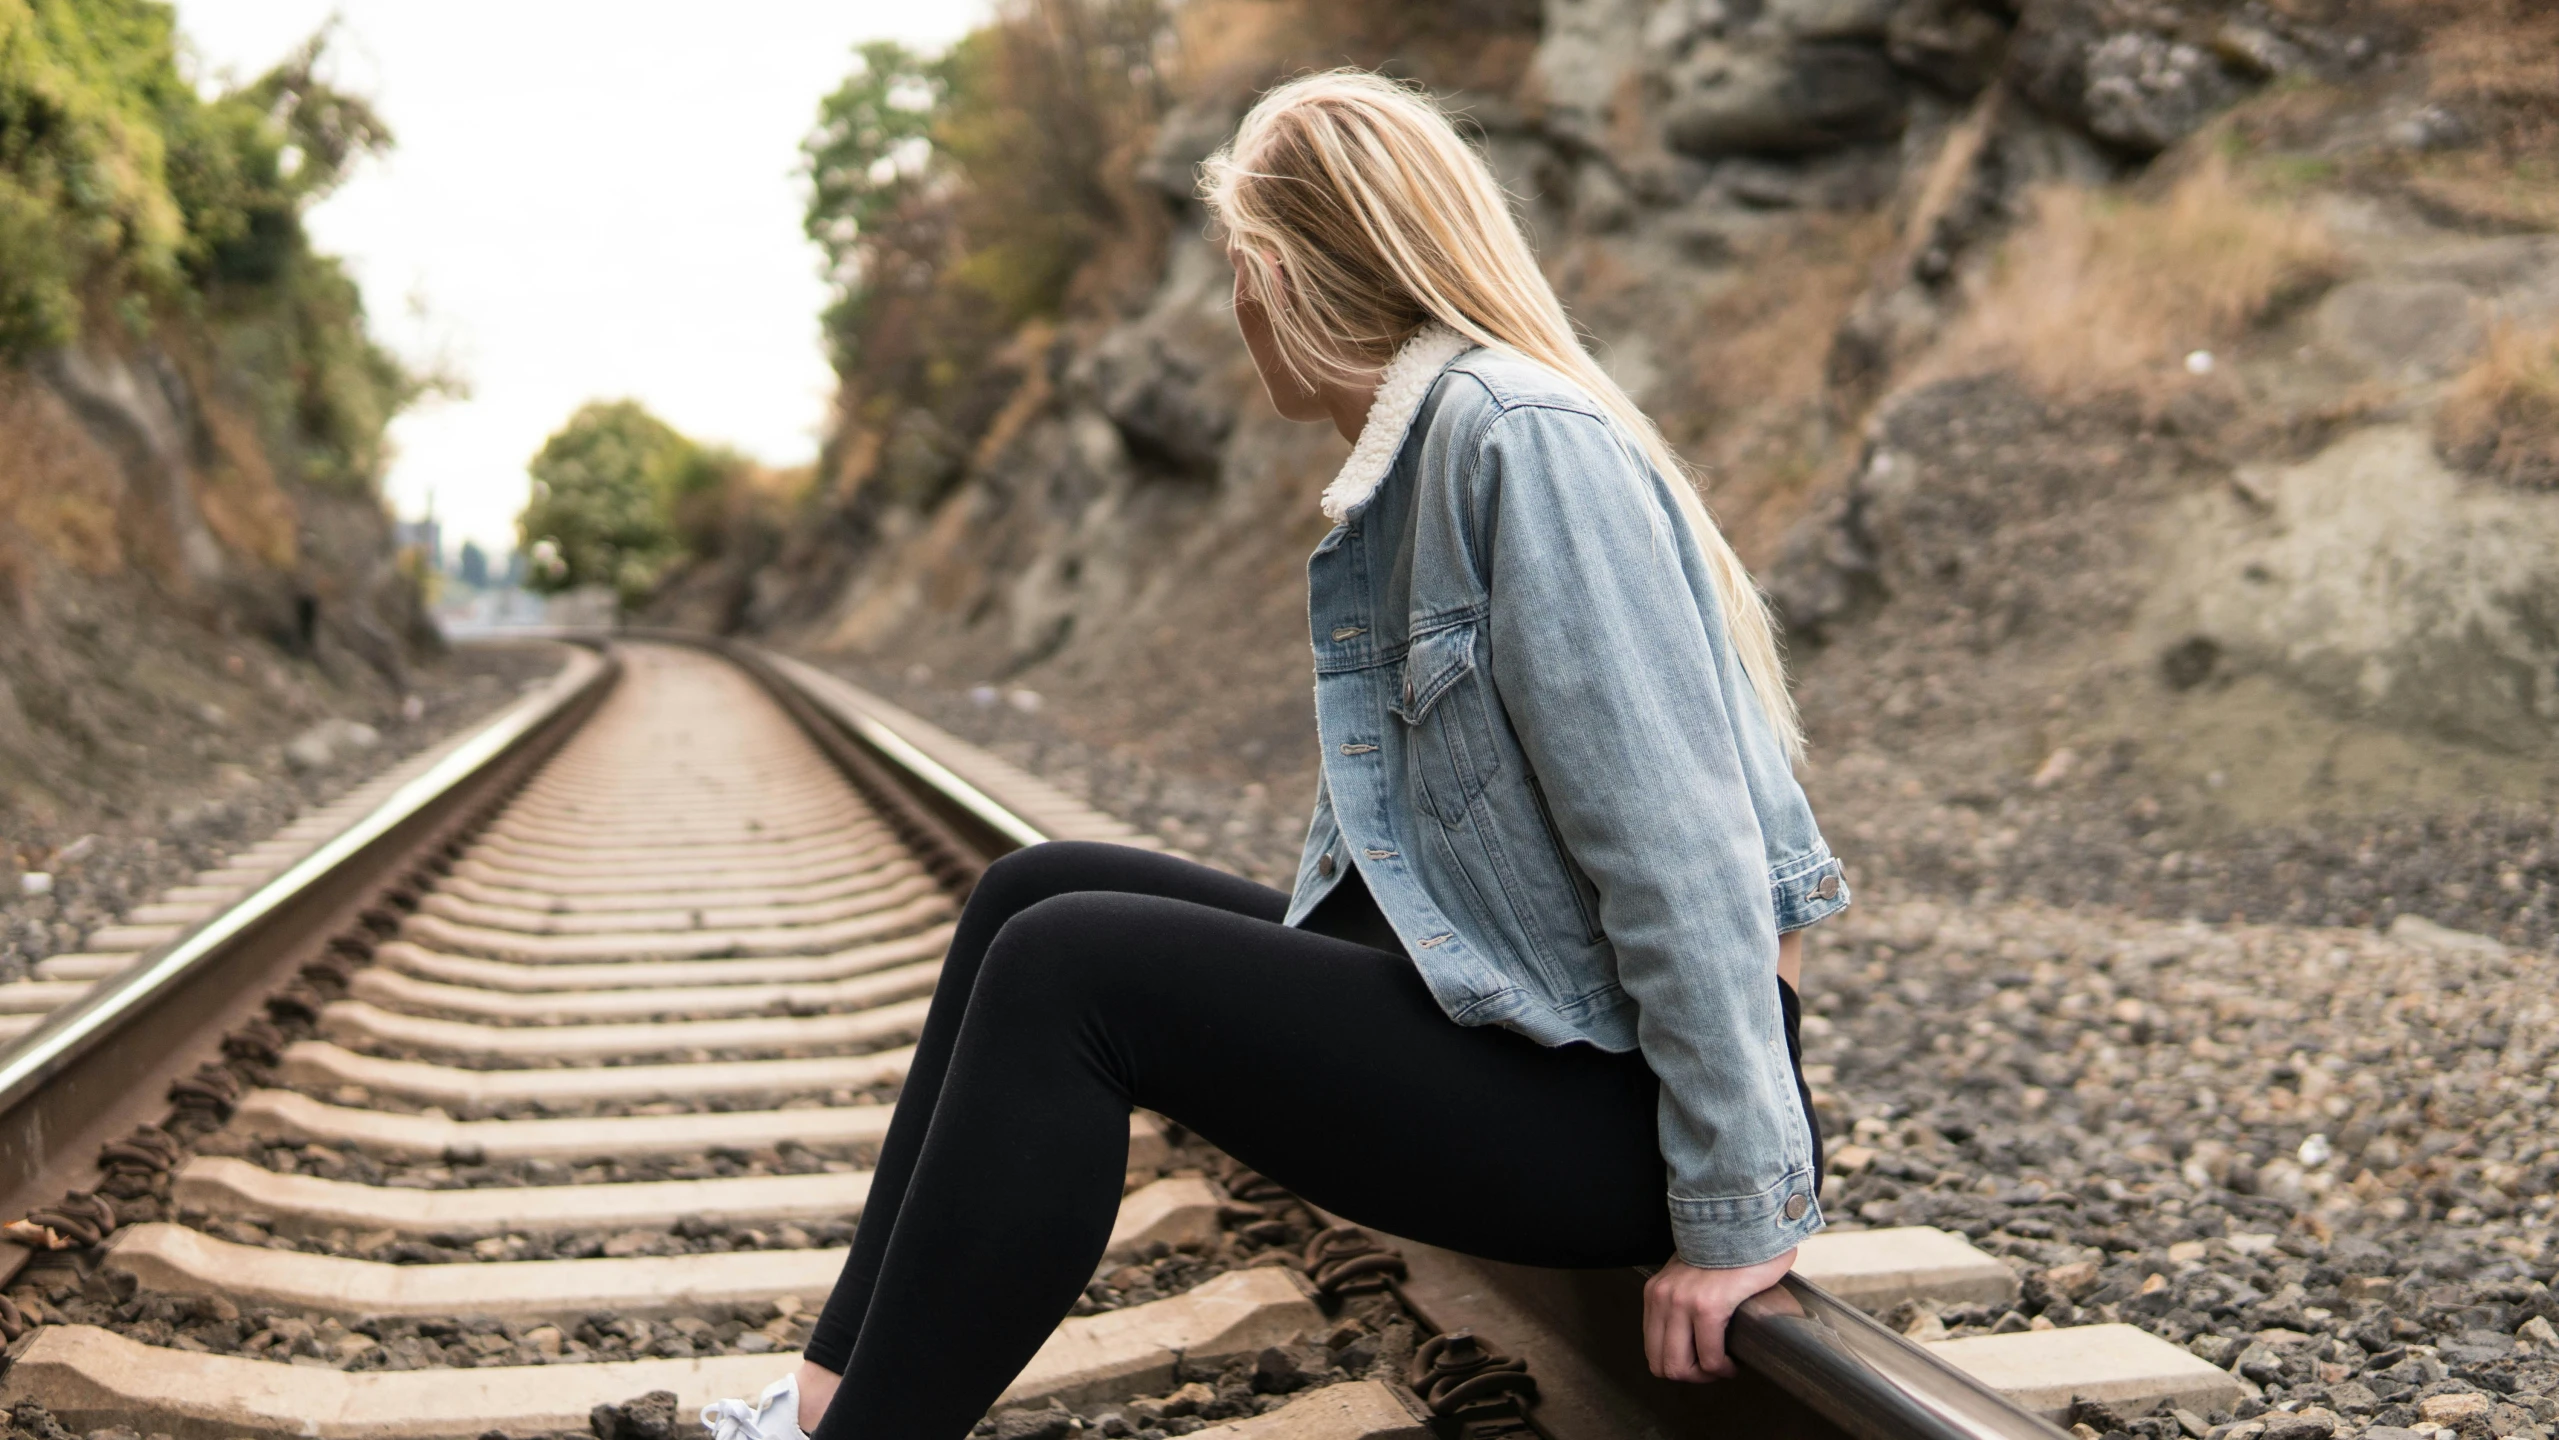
(2142, 414)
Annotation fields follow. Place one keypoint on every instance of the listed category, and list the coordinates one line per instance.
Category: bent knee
(1066, 945)
(1025, 877)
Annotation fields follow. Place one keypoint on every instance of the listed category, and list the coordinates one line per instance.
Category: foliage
(867, 155)
(618, 495)
(957, 198)
(130, 201)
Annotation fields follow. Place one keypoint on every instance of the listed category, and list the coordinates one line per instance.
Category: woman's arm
(1609, 664)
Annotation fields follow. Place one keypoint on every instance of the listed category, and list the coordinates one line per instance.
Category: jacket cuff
(1735, 1230)
(1809, 890)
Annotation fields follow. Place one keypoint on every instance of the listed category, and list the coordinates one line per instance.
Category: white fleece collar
(1400, 392)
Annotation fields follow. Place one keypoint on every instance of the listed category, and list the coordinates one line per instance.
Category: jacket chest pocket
(1448, 741)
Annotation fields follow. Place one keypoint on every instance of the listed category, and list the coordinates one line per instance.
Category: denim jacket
(1541, 752)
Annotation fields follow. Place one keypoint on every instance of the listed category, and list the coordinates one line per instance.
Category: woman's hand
(1686, 1308)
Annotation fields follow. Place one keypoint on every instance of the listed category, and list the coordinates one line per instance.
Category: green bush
(618, 495)
(127, 199)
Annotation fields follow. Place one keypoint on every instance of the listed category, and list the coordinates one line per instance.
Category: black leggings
(1086, 979)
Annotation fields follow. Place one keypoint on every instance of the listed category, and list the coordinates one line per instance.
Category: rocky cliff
(195, 561)
(2146, 413)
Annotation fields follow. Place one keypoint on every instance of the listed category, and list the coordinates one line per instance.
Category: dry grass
(1754, 411)
(59, 493)
(2495, 63)
(2502, 417)
(2105, 293)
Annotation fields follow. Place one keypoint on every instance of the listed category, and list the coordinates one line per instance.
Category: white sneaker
(773, 1415)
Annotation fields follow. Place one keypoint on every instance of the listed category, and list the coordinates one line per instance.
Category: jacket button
(1796, 1205)
(1324, 866)
(1829, 888)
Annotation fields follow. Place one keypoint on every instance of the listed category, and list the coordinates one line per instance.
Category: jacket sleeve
(1618, 679)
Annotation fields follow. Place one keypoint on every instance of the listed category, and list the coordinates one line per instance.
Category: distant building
(472, 567)
(425, 536)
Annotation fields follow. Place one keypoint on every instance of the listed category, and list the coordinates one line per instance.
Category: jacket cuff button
(1324, 866)
(1829, 888)
(1796, 1205)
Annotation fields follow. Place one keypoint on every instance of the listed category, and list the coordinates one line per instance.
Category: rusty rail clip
(80, 1219)
(149, 1149)
(1485, 1391)
(211, 1087)
(1347, 1260)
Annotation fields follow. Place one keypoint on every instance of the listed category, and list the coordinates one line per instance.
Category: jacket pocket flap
(1435, 662)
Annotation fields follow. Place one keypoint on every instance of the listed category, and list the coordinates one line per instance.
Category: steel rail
(1829, 1356)
(98, 1067)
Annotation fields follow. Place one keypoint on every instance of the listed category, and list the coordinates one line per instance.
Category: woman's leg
(1322, 1063)
(1009, 886)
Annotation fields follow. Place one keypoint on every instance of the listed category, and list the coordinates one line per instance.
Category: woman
(1555, 848)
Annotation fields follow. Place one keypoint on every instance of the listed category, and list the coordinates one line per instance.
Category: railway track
(539, 1098)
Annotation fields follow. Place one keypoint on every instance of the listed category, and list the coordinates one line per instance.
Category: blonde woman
(1530, 997)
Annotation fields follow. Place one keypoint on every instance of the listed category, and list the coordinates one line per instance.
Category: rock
(1954, 45)
(2259, 1362)
(1785, 99)
(2425, 934)
(1187, 135)
(2404, 330)
(328, 742)
(2148, 93)
(1185, 1401)
(2073, 1280)
(650, 1417)
(1828, 19)
(2430, 127)
(2101, 64)
(2097, 1415)
(2311, 1423)
(1158, 400)
(2372, 577)
(2453, 1409)
(1033, 1425)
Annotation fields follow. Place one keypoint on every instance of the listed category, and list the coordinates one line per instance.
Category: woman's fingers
(1688, 1309)
(1706, 1326)
(1670, 1346)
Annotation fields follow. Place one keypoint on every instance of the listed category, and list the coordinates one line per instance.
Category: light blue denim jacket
(1541, 751)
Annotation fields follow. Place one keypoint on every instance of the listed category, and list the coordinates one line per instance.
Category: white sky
(588, 201)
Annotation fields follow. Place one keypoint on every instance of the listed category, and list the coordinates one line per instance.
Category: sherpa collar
(1400, 392)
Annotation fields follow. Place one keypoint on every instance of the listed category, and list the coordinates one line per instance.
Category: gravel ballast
(2323, 1157)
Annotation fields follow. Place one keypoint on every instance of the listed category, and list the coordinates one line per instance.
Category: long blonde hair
(1358, 215)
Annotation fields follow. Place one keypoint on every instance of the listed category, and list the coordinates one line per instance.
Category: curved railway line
(531, 1090)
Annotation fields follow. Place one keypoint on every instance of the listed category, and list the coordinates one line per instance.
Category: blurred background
(2145, 413)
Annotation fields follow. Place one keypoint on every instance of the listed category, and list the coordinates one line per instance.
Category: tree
(604, 489)
(872, 147)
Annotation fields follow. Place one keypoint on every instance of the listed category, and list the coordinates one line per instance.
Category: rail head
(1863, 1378)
